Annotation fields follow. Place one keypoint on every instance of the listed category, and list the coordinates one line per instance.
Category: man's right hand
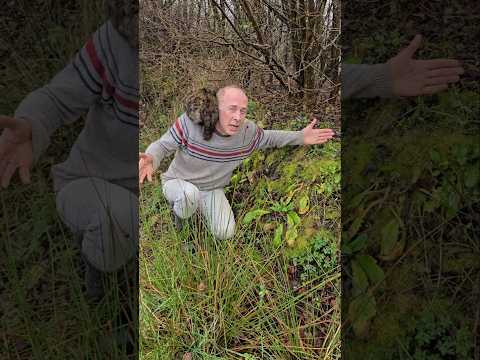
(15, 149)
(145, 167)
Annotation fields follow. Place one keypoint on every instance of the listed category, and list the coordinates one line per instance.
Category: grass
(241, 298)
(44, 314)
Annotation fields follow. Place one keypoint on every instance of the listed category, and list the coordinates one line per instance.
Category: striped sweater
(209, 164)
(102, 81)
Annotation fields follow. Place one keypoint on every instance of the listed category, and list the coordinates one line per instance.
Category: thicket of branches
(270, 47)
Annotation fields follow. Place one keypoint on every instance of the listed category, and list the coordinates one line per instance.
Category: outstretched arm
(402, 75)
(149, 161)
(308, 136)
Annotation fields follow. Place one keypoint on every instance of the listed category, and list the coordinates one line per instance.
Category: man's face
(232, 109)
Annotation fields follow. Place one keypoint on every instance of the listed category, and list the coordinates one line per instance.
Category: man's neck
(220, 133)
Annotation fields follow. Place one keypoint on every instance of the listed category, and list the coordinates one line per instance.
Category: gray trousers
(104, 216)
(186, 198)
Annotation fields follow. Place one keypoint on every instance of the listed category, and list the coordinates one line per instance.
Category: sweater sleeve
(67, 96)
(279, 138)
(366, 81)
(166, 145)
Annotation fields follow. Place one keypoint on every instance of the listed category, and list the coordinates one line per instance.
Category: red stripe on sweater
(97, 64)
(230, 154)
(180, 131)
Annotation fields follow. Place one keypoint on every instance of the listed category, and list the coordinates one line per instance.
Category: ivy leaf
(253, 215)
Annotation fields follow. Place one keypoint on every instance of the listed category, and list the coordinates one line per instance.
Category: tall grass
(225, 300)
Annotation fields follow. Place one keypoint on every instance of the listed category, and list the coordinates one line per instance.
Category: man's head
(232, 109)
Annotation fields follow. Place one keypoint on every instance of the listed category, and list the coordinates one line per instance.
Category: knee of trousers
(224, 230)
(106, 218)
(186, 200)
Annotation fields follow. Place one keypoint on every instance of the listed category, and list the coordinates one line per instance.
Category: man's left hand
(313, 136)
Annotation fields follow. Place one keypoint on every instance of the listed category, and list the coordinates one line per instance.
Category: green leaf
(435, 156)
(235, 179)
(360, 311)
(360, 279)
(293, 219)
(253, 215)
(356, 224)
(346, 249)
(290, 236)
(369, 265)
(303, 205)
(358, 243)
(389, 236)
(277, 238)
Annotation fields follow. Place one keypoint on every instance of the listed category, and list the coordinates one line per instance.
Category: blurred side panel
(411, 180)
(68, 170)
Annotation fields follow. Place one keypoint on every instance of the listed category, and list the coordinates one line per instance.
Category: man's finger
(149, 176)
(441, 63)
(413, 46)
(442, 80)
(448, 71)
(429, 90)
(141, 177)
(329, 134)
(321, 141)
(324, 132)
(8, 122)
(24, 173)
(8, 173)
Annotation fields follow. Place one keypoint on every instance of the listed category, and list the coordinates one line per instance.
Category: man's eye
(243, 111)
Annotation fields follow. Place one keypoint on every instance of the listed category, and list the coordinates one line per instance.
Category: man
(200, 169)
